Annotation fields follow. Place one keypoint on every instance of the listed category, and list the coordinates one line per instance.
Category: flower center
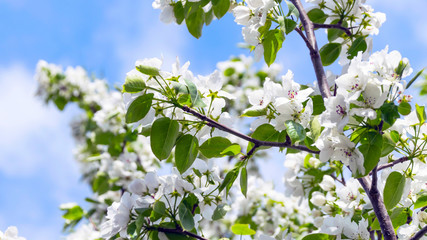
(292, 93)
(340, 110)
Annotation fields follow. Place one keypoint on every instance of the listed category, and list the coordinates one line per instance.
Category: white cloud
(140, 34)
(36, 163)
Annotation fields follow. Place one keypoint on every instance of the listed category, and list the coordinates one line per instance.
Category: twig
(250, 153)
(314, 51)
(213, 123)
(336, 26)
(177, 231)
(338, 180)
(420, 234)
(387, 165)
(299, 31)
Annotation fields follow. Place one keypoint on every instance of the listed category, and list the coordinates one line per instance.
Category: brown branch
(299, 31)
(250, 153)
(387, 165)
(336, 26)
(176, 231)
(215, 124)
(379, 209)
(314, 51)
(420, 234)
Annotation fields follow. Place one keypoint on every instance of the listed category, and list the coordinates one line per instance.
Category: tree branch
(379, 209)
(336, 26)
(420, 234)
(215, 124)
(177, 231)
(314, 51)
(387, 165)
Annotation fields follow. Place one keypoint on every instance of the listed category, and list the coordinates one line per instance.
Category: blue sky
(37, 170)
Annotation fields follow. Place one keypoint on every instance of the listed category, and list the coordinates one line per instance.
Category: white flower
(336, 113)
(118, 217)
(84, 232)
(353, 230)
(328, 183)
(318, 199)
(242, 15)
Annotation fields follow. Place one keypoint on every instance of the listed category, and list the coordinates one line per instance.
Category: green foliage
(186, 152)
(244, 181)
(358, 45)
(187, 220)
(317, 16)
(164, 132)
(371, 146)
(213, 147)
(242, 229)
(295, 131)
(272, 43)
(265, 132)
(139, 108)
(393, 189)
(329, 53)
(133, 85)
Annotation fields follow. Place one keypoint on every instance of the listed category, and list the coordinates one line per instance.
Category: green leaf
(244, 181)
(220, 211)
(60, 102)
(319, 236)
(272, 43)
(164, 132)
(414, 78)
(318, 104)
(187, 220)
(74, 213)
(421, 201)
(404, 108)
(389, 113)
(399, 216)
(185, 100)
(139, 108)
(159, 210)
(316, 128)
(242, 229)
(133, 85)
(221, 7)
(232, 150)
(371, 146)
(254, 113)
(265, 132)
(209, 17)
(195, 22)
(358, 45)
(213, 147)
(289, 25)
(329, 53)
(148, 70)
(388, 144)
(178, 11)
(421, 113)
(292, 10)
(334, 33)
(229, 180)
(393, 189)
(185, 152)
(295, 131)
(195, 97)
(100, 184)
(395, 136)
(317, 16)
